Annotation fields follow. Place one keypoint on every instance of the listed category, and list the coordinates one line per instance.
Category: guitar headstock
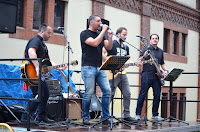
(74, 63)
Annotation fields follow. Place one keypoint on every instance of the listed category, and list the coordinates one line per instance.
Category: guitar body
(161, 79)
(28, 71)
(110, 74)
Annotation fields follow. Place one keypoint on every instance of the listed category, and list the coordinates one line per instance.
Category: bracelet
(167, 70)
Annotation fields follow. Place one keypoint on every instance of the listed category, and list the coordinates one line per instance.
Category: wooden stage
(61, 126)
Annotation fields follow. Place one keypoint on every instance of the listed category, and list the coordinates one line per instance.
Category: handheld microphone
(140, 36)
(60, 28)
(101, 25)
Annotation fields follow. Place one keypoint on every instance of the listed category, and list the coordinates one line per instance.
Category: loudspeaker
(56, 108)
(8, 16)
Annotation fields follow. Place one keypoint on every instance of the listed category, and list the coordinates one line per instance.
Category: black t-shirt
(91, 56)
(150, 68)
(41, 48)
(118, 50)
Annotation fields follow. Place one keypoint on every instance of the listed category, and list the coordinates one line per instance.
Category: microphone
(101, 25)
(60, 28)
(140, 36)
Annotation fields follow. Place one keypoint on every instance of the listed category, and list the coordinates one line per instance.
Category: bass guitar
(122, 71)
(28, 70)
(159, 72)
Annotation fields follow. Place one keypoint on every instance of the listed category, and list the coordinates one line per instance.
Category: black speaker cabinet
(8, 16)
(56, 108)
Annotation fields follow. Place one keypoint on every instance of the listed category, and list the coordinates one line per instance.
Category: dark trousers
(38, 107)
(146, 83)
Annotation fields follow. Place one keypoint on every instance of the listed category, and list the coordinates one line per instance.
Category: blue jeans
(147, 82)
(39, 106)
(91, 75)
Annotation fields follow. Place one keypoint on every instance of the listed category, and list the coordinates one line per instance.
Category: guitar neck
(135, 63)
(55, 67)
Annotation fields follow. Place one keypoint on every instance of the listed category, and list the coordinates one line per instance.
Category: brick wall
(27, 31)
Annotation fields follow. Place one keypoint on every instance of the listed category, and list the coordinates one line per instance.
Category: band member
(36, 48)
(92, 42)
(150, 79)
(121, 80)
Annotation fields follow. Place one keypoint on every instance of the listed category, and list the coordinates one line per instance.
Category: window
(164, 107)
(20, 6)
(183, 44)
(174, 105)
(59, 14)
(182, 106)
(166, 40)
(175, 42)
(38, 13)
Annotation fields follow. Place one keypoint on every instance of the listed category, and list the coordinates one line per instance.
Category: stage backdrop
(14, 89)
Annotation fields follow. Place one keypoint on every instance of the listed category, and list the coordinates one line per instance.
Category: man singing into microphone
(92, 42)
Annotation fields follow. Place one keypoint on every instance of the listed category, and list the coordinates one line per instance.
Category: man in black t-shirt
(92, 42)
(150, 79)
(36, 48)
(121, 80)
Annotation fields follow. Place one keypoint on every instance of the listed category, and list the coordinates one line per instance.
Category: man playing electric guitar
(36, 48)
(151, 76)
(121, 80)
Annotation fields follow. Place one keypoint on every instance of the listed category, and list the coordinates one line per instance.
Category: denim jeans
(147, 82)
(90, 76)
(121, 81)
(39, 106)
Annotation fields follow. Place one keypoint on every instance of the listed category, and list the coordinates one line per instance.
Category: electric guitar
(122, 71)
(28, 70)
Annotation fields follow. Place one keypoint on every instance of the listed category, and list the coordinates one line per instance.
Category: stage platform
(165, 126)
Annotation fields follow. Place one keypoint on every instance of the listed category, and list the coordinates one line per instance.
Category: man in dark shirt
(149, 77)
(36, 48)
(92, 42)
(121, 80)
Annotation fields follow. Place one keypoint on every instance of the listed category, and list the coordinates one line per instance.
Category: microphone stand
(126, 42)
(67, 104)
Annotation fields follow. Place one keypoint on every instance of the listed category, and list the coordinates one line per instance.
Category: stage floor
(137, 127)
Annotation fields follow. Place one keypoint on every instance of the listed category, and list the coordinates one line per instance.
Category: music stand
(172, 76)
(113, 63)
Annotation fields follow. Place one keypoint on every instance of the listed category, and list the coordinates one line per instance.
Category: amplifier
(54, 86)
(56, 108)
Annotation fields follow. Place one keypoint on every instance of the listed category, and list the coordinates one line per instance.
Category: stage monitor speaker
(56, 108)
(8, 16)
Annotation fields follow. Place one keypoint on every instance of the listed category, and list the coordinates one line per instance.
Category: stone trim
(163, 10)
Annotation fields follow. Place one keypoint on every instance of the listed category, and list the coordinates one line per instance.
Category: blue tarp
(14, 89)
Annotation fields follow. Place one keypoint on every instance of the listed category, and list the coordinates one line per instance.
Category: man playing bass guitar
(151, 76)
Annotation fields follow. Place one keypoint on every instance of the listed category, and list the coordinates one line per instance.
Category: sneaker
(45, 120)
(106, 122)
(86, 121)
(137, 117)
(157, 118)
(24, 121)
(129, 119)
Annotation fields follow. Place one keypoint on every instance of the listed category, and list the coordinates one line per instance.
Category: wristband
(167, 70)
